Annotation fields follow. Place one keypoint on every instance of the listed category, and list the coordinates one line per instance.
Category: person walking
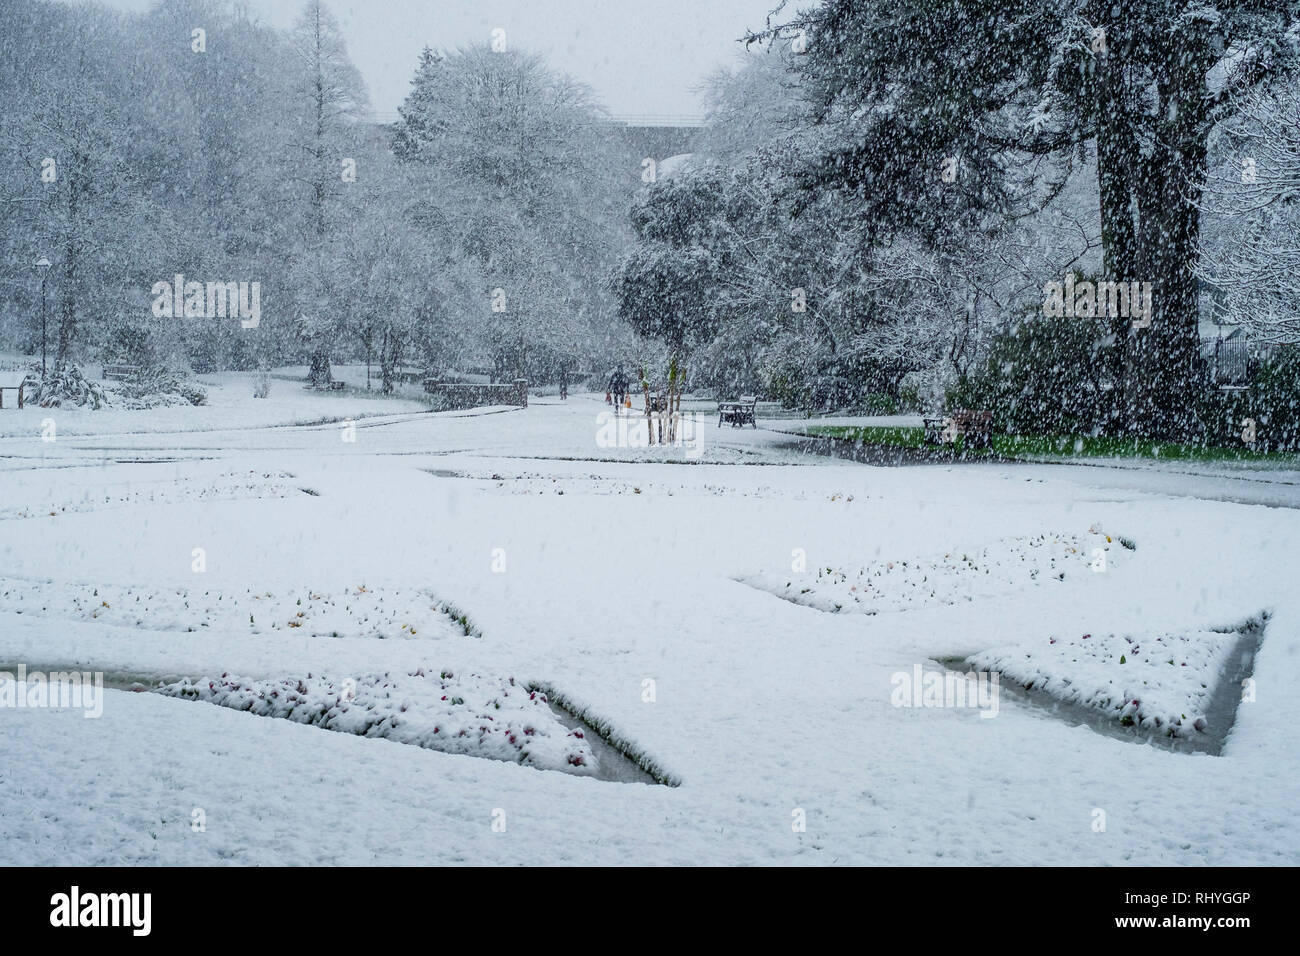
(618, 384)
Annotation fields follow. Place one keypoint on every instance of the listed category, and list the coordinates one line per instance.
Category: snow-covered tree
(1252, 242)
(1006, 92)
(71, 192)
(327, 100)
(536, 196)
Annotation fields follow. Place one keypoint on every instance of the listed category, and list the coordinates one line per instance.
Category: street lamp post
(42, 267)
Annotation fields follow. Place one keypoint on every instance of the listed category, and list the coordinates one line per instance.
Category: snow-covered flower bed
(1161, 683)
(356, 612)
(536, 483)
(454, 713)
(958, 575)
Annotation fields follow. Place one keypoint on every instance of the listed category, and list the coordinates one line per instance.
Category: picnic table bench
(333, 386)
(976, 426)
(738, 413)
(120, 373)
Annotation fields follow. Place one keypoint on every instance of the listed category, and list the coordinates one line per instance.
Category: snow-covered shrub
(1272, 401)
(157, 387)
(1044, 377)
(262, 386)
(67, 387)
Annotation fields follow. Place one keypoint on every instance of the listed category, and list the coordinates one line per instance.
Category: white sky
(640, 56)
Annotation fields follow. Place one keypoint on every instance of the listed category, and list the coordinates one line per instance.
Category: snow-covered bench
(120, 373)
(738, 413)
(409, 376)
(976, 426)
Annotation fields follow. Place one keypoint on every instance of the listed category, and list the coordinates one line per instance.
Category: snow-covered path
(593, 571)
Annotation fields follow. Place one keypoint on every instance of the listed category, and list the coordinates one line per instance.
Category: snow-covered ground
(518, 544)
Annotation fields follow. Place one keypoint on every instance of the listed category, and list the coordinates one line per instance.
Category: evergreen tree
(1005, 92)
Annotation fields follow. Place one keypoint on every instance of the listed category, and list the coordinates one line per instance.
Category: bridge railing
(679, 120)
(633, 120)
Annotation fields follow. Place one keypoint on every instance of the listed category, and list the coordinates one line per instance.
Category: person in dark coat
(618, 385)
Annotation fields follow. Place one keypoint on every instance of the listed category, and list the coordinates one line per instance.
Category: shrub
(1272, 402)
(66, 386)
(1044, 376)
(156, 386)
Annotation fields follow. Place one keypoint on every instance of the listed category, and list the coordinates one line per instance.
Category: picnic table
(738, 413)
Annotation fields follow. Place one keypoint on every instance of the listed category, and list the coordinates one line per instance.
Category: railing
(120, 373)
(632, 120)
(659, 119)
(452, 396)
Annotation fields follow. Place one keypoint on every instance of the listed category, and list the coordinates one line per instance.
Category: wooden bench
(976, 427)
(121, 373)
(738, 413)
(327, 386)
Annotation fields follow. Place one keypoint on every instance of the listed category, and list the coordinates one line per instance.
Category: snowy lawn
(612, 576)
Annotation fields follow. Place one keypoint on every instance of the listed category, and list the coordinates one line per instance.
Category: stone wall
(449, 397)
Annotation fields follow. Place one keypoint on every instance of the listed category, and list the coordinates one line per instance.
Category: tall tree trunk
(319, 372)
(1170, 380)
(1119, 168)
(1151, 226)
(388, 360)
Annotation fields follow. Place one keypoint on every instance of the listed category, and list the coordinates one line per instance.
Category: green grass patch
(1055, 446)
(897, 437)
